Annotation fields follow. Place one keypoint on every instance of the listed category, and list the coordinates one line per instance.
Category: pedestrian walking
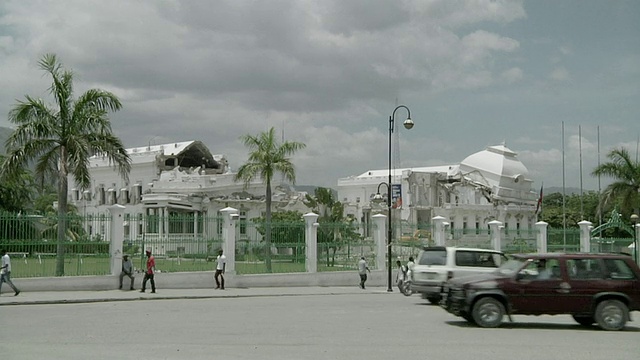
(148, 275)
(127, 270)
(362, 271)
(411, 264)
(221, 265)
(401, 274)
(5, 273)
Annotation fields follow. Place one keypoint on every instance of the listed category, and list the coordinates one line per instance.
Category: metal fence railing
(32, 242)
(178, 242)
(286, 253)
(563, 240)
(341, 245)
(187, 242)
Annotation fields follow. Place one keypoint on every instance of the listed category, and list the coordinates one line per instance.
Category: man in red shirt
(148, 275)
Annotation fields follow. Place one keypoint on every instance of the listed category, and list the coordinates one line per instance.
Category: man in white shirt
(410, 266)
(5, 273)
(221, 264)
(362, 271)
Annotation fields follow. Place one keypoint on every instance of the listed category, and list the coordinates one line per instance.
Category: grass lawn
(75, 265)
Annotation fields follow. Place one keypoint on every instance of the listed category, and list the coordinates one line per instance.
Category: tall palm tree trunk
(267, 227)
(62, 210)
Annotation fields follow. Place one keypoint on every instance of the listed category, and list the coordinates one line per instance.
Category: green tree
(287, 229)
(267, 157)
(334, 229)
(626, 174)
(62, 137)
(286, 226)
(552, 209)
(15, 189)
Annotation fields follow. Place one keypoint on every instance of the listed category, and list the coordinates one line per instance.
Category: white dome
(497, 160)
(498, 168)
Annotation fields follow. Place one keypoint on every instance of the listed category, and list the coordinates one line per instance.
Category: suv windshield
(433, 257)
(511, 266)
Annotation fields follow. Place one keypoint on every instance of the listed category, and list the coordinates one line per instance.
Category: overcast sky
(329, 73)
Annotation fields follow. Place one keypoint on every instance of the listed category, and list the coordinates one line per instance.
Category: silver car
(436, 265)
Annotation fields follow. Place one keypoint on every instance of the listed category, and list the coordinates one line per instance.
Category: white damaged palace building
(186, 179)
(489, 185)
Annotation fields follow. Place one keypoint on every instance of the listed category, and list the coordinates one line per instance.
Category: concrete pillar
(496, 234)
(229, 220)
(585, 235)
(439, 227)
(311, 242)
(116, 238)
(195, 224)
(541, 226)
(165, 222)
(380, 238)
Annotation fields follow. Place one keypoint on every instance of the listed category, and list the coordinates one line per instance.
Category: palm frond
(626, 172)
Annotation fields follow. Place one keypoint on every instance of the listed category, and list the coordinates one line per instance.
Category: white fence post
(585, 235)
(496, 234)
(542, 236)
(116, 238)
(379, 236)
(311, 242)
(230, 218)
(438, 236)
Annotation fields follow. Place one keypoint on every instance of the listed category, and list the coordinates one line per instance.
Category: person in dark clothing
(127, 270)
(148, 275)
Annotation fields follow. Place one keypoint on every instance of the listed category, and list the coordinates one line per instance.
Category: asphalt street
(298, 323)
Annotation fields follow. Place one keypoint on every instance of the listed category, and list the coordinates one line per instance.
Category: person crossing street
(5, 273)
(148, 275)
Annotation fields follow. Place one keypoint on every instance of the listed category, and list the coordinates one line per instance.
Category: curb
(177, 297)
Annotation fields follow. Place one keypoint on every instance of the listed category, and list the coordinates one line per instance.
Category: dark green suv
(593, 288)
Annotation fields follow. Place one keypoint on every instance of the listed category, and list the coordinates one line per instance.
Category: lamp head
(377, 197)
(634, 218)
(408, 124)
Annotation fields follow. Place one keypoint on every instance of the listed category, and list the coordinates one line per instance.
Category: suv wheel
(488, 312)
(584, 320)
(612, 314)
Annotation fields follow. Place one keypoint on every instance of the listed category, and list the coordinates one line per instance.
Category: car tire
(611, 314)
(488, 312)
(584, 320)
(434, 299)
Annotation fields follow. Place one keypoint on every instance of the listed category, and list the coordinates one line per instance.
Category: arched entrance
(620, 241)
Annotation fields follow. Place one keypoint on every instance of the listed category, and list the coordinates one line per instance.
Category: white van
(436, 265)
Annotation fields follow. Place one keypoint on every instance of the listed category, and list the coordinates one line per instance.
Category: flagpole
(599, 186)
(580, 151)
(564, 209)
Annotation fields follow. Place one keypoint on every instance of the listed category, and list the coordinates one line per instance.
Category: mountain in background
(568, 190)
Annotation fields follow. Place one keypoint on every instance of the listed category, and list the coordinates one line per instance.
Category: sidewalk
(72, 297)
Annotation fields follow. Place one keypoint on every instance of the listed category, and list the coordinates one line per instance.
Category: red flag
(539, 204)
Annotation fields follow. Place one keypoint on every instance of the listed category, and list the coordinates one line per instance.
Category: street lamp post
(634, 222)
(408, 124)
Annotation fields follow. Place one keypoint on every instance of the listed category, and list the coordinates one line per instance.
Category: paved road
(317, 323)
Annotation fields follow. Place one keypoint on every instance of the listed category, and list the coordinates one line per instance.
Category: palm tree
(62, 137)
(15, 191)
(625, 189)
(266, 157)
